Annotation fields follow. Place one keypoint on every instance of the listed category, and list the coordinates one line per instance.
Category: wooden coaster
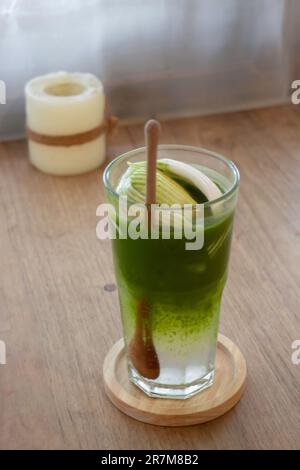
(226, 391)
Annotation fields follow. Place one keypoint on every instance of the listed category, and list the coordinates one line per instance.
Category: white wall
(155, 56)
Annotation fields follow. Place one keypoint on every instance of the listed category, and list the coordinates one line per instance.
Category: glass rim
(232, 167)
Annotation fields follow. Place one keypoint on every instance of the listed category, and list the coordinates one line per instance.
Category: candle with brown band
(68, 121)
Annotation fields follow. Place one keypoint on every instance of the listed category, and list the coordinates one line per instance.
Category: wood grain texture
(224, 394)
(59, 320)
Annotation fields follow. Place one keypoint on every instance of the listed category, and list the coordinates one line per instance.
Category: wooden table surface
(58, 318)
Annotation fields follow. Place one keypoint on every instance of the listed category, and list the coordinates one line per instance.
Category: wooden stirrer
(152, 132)
(141, 349)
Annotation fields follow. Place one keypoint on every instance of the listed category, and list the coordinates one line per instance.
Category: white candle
(65, 122)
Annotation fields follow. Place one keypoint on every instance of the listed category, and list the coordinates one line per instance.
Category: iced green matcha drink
(169, 295)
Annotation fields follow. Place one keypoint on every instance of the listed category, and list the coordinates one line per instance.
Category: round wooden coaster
(226, 391)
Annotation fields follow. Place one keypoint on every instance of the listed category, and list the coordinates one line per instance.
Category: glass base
(180, 392)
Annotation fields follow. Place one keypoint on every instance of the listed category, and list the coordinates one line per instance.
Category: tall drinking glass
(170, 296)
